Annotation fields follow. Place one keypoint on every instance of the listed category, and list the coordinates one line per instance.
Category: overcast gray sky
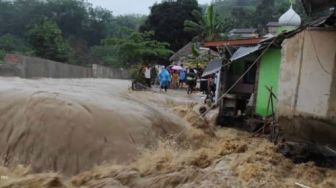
(130, 6)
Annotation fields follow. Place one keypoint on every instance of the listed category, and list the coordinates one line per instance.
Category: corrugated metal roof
(244, 51)
(213, 67)
(237, 42)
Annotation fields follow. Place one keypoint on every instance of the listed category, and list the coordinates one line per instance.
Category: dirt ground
(170, 145)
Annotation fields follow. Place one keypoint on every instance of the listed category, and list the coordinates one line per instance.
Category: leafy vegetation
(76, 24)
(133, 48)
(166, 19)
(207, 26)
(253, 13)
(223, 15)
(47, 41)
(74, 31)
(11, 43)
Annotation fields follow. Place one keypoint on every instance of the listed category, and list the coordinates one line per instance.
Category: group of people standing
(175, 78)
(172, 78)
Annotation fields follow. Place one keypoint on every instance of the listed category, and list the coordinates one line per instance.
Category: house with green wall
(268, 77)
(267, 68)
(255, 84)
(298, 65)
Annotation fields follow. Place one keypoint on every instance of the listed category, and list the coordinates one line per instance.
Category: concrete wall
(332, 98)
(100, 71)
(31, 67)
(307, 88)
(10, 70)
(12, 66)
(37, 67)
(307, 72)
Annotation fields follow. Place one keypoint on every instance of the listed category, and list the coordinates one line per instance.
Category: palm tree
(206, 27)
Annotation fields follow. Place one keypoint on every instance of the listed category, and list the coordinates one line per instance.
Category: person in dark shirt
(191, 81)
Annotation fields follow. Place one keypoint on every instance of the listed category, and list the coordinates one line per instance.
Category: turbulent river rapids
(96, 133)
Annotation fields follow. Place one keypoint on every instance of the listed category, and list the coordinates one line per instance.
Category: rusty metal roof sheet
(237, 42)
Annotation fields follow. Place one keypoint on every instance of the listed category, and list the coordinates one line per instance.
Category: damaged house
(290, 77)
(307, 84)
(245, 87)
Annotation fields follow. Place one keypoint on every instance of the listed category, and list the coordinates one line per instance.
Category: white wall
(289, 71)
(305, 87)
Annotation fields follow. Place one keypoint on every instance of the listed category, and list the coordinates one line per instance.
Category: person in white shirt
(147, 72)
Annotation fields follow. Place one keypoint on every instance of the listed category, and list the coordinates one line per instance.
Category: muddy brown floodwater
(95, 133)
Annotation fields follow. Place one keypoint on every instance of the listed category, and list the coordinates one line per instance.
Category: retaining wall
(100, 71)
(32, 67)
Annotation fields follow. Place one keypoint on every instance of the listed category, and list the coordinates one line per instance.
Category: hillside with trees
(75, 32)
(61, 30)
(167, 18)
(253, 13)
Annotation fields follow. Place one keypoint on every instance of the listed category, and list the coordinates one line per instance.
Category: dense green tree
(81, 24)
(10, 43)
(241, 17)
(253, 13)
(47, 40)
(131, 49)
(105, 54)
(16, 15)
(265, 12)
(132, 22)
(166, 19)
(85, 26)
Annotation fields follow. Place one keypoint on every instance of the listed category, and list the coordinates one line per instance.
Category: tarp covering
(244, 51)
(213, 67)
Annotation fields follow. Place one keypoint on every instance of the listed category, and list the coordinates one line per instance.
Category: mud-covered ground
(184, 150)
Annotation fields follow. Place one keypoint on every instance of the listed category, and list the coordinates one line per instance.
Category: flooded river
(72, 125)
(96, 133)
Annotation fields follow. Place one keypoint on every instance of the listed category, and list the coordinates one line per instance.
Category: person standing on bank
(175, 80)
(182, 77)
(147, 72)
(164, 79)
(191, 81)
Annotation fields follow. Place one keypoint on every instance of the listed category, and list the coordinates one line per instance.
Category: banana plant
(206, 27)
